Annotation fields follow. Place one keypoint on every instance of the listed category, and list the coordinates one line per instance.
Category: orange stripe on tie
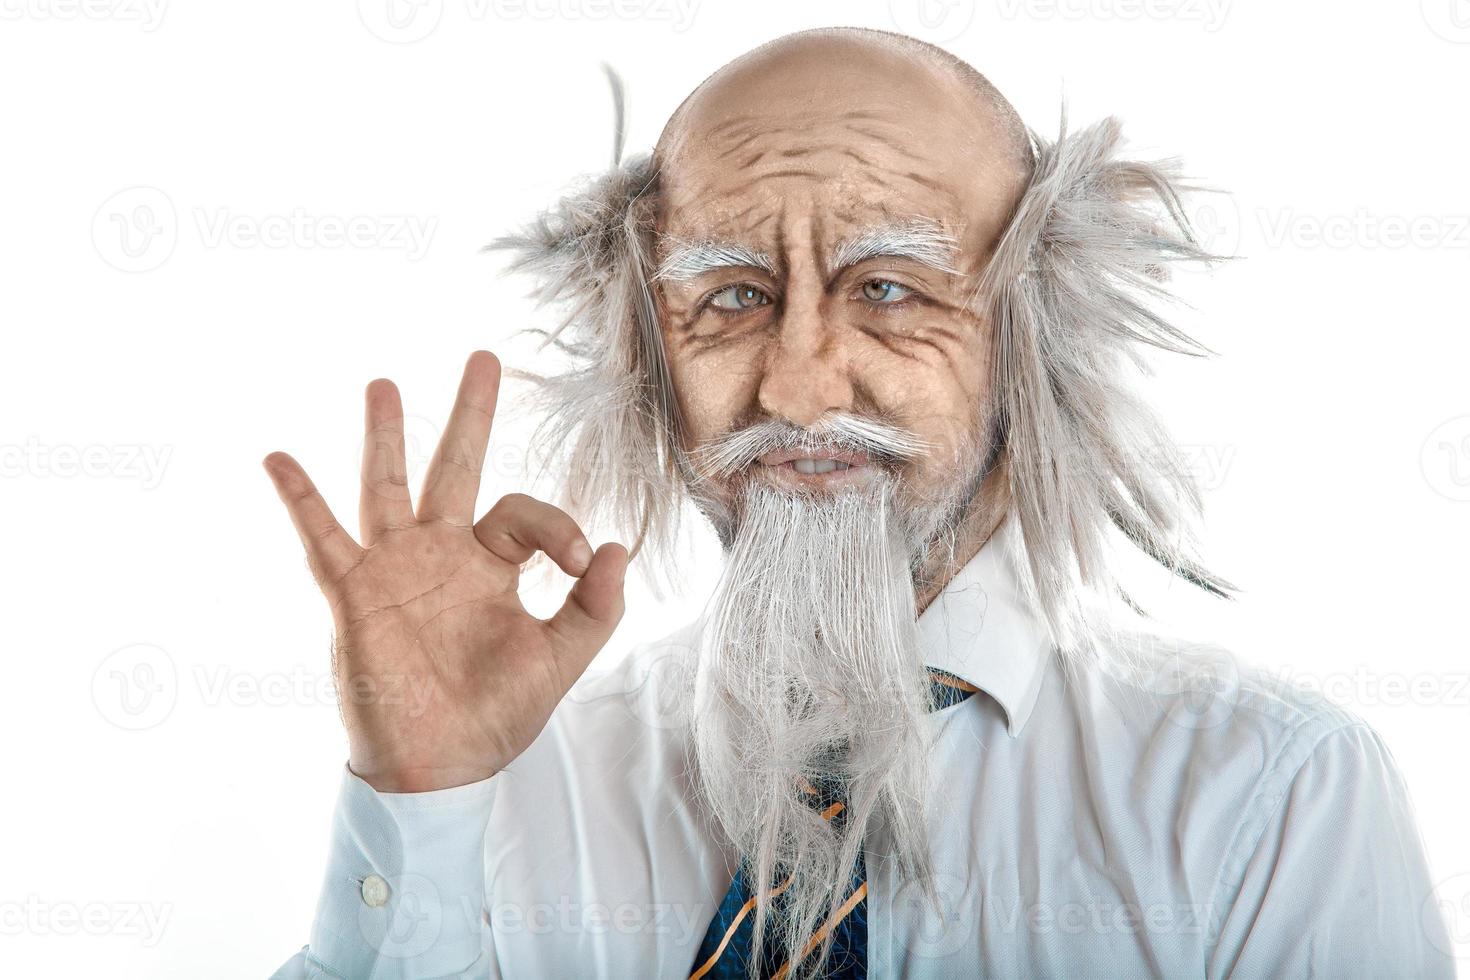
(709, 964)
(821, 934)
(954, 682)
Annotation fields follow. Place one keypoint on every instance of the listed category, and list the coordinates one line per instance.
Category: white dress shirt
(1186, 817)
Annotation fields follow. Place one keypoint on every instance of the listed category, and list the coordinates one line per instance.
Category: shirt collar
(980, 629)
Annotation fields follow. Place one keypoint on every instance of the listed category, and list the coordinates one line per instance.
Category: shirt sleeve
(404, 893)
(1336, 884)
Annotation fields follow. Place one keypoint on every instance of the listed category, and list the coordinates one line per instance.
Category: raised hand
(427, 605)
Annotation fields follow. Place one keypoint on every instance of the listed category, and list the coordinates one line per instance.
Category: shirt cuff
(405, 886)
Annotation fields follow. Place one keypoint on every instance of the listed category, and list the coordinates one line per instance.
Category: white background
(171, 746)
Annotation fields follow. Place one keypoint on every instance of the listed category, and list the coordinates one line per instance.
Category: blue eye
(884, 291)
(740, 297)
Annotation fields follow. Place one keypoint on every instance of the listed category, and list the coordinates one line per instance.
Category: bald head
(838, 57)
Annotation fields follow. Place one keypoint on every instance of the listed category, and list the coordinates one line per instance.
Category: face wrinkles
(750, 153)
(841, 207)
(815, 333)
(833, 164)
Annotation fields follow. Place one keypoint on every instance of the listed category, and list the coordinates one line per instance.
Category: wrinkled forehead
(819, 178)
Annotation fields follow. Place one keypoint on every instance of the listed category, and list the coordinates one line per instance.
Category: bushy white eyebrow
(689, 259)
(921, 240)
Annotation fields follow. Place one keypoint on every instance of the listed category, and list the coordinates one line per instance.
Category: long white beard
(810, 667)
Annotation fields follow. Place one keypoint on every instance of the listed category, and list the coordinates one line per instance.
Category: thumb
(592, 610)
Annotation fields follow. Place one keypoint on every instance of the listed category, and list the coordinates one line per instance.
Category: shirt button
(374, 891)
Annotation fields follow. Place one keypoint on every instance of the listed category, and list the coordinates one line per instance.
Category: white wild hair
(1072, 292)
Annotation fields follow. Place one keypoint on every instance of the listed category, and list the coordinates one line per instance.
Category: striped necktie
(725, 952)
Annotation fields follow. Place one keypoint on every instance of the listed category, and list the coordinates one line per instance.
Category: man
(879, 336)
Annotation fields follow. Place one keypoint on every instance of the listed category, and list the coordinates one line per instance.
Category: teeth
(814, 466)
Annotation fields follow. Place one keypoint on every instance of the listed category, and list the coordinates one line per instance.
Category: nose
(807, 372)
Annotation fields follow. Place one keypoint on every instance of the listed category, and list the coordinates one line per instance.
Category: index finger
(330, 550)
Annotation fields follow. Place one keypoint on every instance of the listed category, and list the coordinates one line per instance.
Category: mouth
(819, 470)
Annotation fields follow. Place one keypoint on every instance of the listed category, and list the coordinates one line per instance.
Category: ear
(1074, 291)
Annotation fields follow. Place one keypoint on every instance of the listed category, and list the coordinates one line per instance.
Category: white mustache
(882, 443)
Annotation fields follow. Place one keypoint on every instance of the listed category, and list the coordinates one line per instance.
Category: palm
(467, 641)
(442, 675)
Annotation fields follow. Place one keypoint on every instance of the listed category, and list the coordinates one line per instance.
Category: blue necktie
(726, 950)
